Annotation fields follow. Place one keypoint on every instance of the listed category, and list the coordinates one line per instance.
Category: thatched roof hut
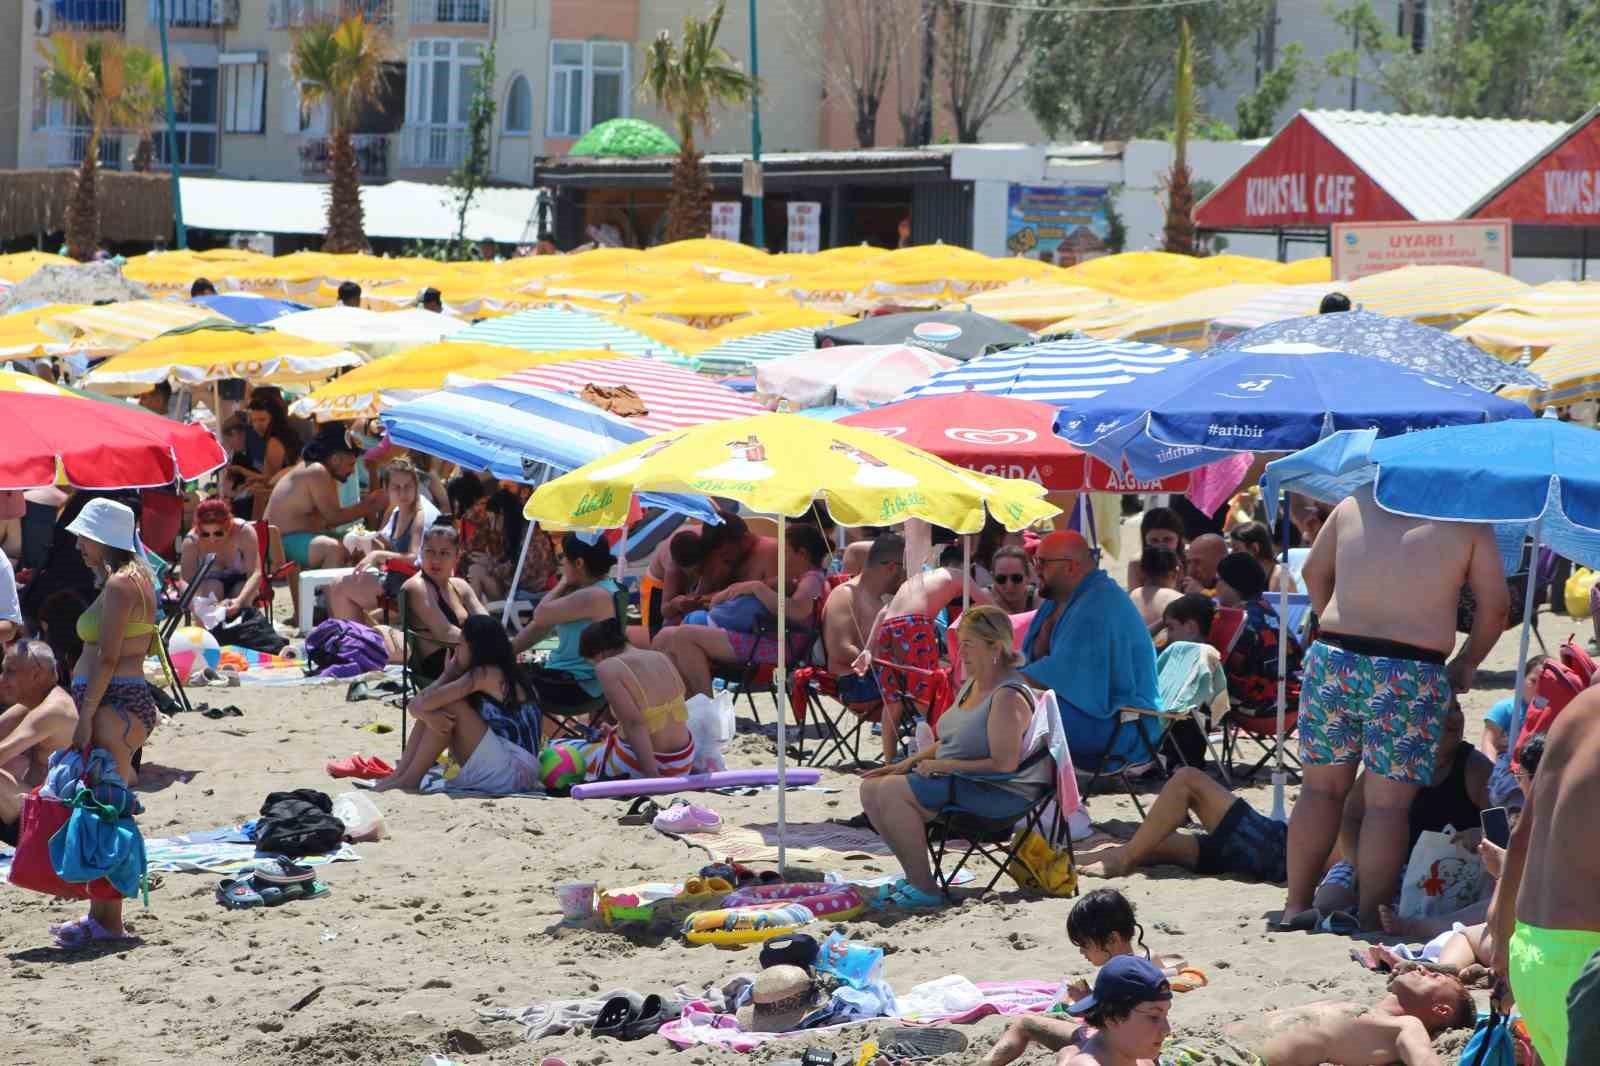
(133, 207)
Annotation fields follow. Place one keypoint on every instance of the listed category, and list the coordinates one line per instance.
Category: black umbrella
(959, 334)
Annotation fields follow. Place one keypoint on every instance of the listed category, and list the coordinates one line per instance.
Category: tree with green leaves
(473, 173)
(145, 100)
(107, 84)
(1178, 233)
(1257, 110)
(687, 79)
(1099, 74)
(341, 63)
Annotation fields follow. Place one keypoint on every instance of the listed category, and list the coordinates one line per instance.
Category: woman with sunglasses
(1013, 591)
(235, 577)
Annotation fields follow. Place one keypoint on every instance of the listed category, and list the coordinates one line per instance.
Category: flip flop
(1303, 922)
(916, 1043)
(642, 811)
(617, 1014)
(367, 767)
(87, 932)
(229, 711)
(238, 894)
(1339, 923)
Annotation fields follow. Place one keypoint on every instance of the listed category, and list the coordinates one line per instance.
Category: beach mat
(177, 855)
(825, 844)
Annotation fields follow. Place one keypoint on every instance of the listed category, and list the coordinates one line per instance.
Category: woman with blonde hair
(411, 514)
(974, 768)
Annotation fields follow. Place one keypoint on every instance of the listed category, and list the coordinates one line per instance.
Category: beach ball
(560, 767)
(193, 648)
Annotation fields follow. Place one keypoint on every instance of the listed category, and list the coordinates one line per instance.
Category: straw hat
(782, 997)
(106, 522)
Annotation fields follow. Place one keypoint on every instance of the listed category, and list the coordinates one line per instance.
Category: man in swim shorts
(847, 617)
(1376, 685)
(305, 503)
(1545, 918)
(38, 720)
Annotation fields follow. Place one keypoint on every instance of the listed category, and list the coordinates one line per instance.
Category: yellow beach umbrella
(709, 304)
(1571, 371)
(1183, 321)
(1509, 334)
(1305, 271)
(367, 390)
(1558, 299)
(766, 321)
(123, 325)
(16, 381)
(207, 352)
(1037, 305)
(687, 339)
(1434, 295)
(19, 266)
(779, 464)
(709, 250)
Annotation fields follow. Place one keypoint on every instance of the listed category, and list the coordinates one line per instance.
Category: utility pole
(171, 138)
(758, 220)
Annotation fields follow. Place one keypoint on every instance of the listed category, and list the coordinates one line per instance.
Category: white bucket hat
(106, 522)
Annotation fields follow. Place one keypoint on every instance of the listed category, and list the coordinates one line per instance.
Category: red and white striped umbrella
(672, 398)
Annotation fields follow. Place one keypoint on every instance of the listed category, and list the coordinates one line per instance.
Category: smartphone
(1496, 827)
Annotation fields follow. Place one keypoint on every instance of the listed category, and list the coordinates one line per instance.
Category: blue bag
(1491, 1043)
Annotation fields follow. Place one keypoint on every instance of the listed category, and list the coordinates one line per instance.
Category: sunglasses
(1010, 579)
(212, 534)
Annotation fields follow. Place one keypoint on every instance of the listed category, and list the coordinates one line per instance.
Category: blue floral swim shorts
(1386, 712)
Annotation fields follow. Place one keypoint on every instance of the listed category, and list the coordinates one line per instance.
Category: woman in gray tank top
(982, 734)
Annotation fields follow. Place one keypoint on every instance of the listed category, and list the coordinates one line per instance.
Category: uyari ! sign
(1363, 248)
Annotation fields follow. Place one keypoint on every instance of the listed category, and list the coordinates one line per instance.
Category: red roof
(1558, 187)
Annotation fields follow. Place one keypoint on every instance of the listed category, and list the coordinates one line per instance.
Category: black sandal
(643, 811)
(918, 1043)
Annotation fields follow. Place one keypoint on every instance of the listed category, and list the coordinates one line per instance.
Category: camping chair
(842, 731)
(750, 677)
(1190, 683)
(567, 721)
(175, 618)
(275, 566)
(1239, 723)
(998, 839)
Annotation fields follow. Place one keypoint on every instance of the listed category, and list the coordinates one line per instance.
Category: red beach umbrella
(97, 445)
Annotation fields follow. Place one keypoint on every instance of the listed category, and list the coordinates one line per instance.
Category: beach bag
(250, 629)
(338, 647)
(44, 816)
(1579, 584)
(1491, 1043)
(710, 727)
(1441, 878)
(1038, 867)
(1560, 679)
(742, 614)
(298, 823)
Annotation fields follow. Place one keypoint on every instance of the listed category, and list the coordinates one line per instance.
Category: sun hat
(1125, 981)
(1242, 571)
(781, 998)
(106, 522)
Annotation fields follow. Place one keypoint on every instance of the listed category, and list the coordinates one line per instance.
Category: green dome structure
(630, 138)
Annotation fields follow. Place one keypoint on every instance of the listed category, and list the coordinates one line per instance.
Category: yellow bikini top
(89, 624)
(658, 717)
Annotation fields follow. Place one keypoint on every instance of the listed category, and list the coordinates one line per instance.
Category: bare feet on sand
(1108, 862)
(1409, 928)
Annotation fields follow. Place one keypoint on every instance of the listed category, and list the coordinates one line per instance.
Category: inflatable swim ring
(837, 902)
(745, 925)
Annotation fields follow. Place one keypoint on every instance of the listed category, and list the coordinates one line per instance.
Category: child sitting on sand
(1102, 926)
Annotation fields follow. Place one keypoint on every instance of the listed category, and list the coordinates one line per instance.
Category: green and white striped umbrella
(742, 353)
(555, 329)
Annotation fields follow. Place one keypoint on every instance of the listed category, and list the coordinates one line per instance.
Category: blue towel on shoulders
(1101, 659)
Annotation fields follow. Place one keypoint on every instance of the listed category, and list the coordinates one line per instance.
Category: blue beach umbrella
(249, 310)
(1269, 398)
(1399, 341)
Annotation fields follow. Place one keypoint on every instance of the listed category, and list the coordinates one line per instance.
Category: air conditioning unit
(277, 14)
(43, 17)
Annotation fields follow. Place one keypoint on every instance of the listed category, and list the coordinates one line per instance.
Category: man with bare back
(305, 504)
(39, 720)
(847, 618)
(1377, 687)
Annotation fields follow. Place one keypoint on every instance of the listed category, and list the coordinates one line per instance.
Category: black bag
(250, 629)
(298, 823)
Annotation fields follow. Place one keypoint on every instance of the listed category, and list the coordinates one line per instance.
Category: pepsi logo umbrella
(1268, 398)
(958, 334)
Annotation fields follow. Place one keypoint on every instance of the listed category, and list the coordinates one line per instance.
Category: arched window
(519, 106)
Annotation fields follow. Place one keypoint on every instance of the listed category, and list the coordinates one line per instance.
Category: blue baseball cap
(1126, 981)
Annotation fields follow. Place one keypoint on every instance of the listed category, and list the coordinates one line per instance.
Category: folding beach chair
(750, 677)
(998, 839)
(174, 618)
(841, 730)
(1241, 723)
(275, 566)
(574, 721)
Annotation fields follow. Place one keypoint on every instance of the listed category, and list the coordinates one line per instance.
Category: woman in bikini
(269, 418)
(116, 711)
(235, 577)
(482, 710)
(437, 605)
(649, 732)
(356, 595)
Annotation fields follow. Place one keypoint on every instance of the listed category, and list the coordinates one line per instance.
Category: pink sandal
(77, 934)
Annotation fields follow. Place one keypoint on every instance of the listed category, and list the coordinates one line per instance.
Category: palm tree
(1179, 230)
(341, 64)
(687, 80)
(144, 99)
(92, 75)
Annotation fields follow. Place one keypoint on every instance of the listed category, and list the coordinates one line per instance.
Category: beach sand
(456, 911)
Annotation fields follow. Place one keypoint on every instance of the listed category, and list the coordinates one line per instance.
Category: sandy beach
(456, 912)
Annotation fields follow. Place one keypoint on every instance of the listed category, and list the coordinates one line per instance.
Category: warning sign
(1362, 248)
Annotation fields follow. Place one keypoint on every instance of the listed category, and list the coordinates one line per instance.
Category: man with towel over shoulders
(1089, 645)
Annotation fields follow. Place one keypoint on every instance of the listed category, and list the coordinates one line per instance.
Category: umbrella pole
(1279, 778)
(516, 577)
(1518, 708)
(777, 681)
(966, 572)
(216, 410)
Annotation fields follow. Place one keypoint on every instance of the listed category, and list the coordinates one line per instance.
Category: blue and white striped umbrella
(1054, 372)
(558, 329)
(740, 353)
(519, 433)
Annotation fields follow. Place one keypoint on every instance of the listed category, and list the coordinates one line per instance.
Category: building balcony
(372, 155)
(200, 14)
(80, 16)
(457, 11)
(65, 146)
(377, 12)
(433, 146)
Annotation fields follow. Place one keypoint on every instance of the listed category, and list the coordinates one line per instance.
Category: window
(439, 81)
(194, 129)
(588, 85)
(245, 83)
(297, 118)
(519, 106)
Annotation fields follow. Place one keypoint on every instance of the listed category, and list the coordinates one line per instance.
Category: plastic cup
(577, 899)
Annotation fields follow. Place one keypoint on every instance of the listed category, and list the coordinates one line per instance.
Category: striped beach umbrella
(554, 329)
(673, 398)
(1571, 371)
(128, 323)
(1433, 295)
(742, 353)
(1054, 371)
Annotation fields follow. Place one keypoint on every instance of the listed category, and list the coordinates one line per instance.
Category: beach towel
(1191, 675)
(812, 843)
(1100, 660)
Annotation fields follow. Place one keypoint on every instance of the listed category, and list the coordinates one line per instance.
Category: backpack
(1561, 678)
(338, 647)
(298, 823)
